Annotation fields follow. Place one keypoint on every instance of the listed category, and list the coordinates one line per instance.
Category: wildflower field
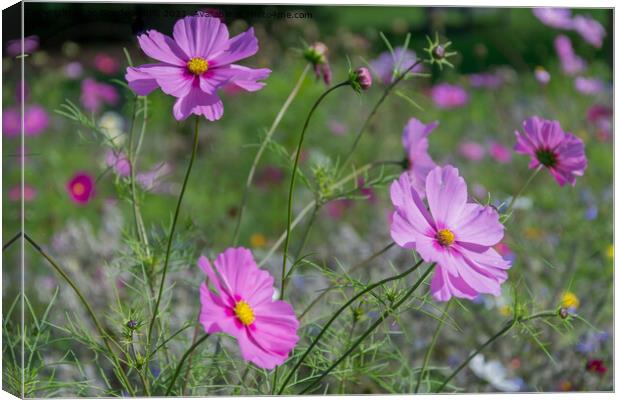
(254, 200)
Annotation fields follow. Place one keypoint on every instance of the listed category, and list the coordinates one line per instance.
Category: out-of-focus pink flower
(542, 76)
(571, 63)
(336, 208)
(118, 162)
(500, 153)
(106, 64)
(415, 142)
(81, 188)
(73, 70)
(485, 80)
(472, 151)
(589, 86)
(15, 193)
(601, 116)
(562, 153)
(457, 235)
(96, 94)
(449, 96)
(14, 47)
(387, 65)
(590, 30)
(269, 176)
(242, 306)
(194, 64)
(559, 18)
(36, 121)
(152, 179)
(337, 127)
(368, 192)
(597, 366)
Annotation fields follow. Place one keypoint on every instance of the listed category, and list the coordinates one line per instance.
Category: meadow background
(560, 238)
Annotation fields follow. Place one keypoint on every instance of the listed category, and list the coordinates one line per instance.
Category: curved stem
(172, 229)
(337, 313)
(289, 214)
(500, 333)
(104, 335)
(525, 185)
(429, 351)
(385, 94)
(187, 353)
(374, 326)
(262, 148)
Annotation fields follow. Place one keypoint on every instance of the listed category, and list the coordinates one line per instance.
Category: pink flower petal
(200, 36)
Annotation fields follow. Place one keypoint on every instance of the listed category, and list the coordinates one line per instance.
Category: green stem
(525, 185)
(262, 148)
(104, 335)
(289, 214)
(429, 351)
(337, 313)
(362, 129)
(509, 325)
(187, 353)
(172, 229)
(374, 326)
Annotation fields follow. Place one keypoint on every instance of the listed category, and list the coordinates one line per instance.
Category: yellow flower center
(79, 189)
(244, 312)
(197, 65)
(570, 300)
(445, 237)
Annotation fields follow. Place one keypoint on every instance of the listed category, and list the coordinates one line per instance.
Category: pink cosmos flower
(152, 180)
(541, 75)
(36, 120)
(485, 80)
(602, 118)
(387, 64)
(449, 96)
(571, 63)
(15, 193)
(242, 306)
(96, 94)
(472, 151)
(14, 47)
(73, 70)
(548, 145)
(336, 208)
(457, 235)
(590, 30)
(81, 188)
(589, 86)
(118, 162)
(415, 142)
(559, 18)
(195, 64)
(106, 64)
(500, 153)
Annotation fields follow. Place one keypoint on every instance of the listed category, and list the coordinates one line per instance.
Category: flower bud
(132, 324)
(440, 52)
(364, 79)
(563, 313)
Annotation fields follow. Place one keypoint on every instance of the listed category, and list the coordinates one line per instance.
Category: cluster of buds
(437, 52)
(360, 79)
(316, 54)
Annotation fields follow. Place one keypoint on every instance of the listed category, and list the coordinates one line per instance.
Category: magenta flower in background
(571, 63)
(336, 208)
(388, 65)
(242, 306)
(106, 64)
(449, 96)
(15, 193)
(415, 142)
(118, 162)
(485, 80)
(541, 75)
(81, 188)
(151, 180)
(14, 47)
(472, 151)
(601, 116)
(36, 120)
(559, 18)
(589, 86)
(73, 70)
(96, 94)
(590, 30)
(500, 153)
(337, 127)
(269, 176)
(457, 235)
(195, 64)
(562, 153)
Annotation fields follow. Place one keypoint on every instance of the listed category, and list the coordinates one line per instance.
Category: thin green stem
(340, 311)
(509, 325)
(525, 185)
(429, 350)
(262, 148)
(104, 335)
(372, 327)
(189, 351)
(172, 229)
(385, 94)
(289, 213)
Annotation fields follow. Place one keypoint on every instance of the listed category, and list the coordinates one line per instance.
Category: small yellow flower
(610, 252)
(257, 240)
(569, 300)
(532, 233)
(505, 311)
